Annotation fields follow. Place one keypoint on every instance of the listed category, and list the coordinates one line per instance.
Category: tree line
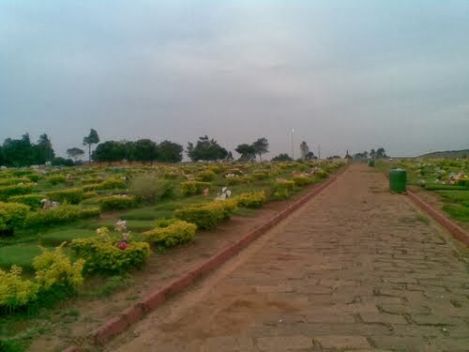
(23, 152)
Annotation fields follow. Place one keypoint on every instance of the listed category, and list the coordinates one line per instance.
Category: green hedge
(15, 190)
(190, 188)
(251, 200)
(116, 202)
(12, 215)
(31, 200)
(207, 216)
(170, 233)
(71, 195)
(283, 189)
(61, 214)
(102, 254)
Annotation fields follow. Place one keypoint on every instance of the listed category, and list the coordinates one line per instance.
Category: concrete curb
(456, 231)
(136, 312)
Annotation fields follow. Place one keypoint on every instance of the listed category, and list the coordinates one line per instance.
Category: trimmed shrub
(251, 200)
(55, 272)
(260, 175)
(209, 215)
(149, 189)
(111, 183)
(190, 188)
(15, 190)
(282, 189)
(12, 216)
(206, 176)
(71, 195)
(302, 180)
(16, 291)
(13, 181)
(31, 200)
(55, 179)
(116, 202)
(103, 255)
(170, 233)
(59, 215)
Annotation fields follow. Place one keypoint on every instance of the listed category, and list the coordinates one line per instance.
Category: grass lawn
(56, 237)
(457, 211)
(19, 254)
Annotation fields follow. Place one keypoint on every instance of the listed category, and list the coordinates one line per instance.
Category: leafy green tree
(109, 151)
(89, 140)
(144, 150)
(381, 153)
(43, 150)
(282, 157)
(18, 152)
(247, 152)
(169, 152)
(75, 153)
(206, 149)
(306, 153)
(261, 146)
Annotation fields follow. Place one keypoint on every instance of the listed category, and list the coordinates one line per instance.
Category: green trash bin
(398, 180)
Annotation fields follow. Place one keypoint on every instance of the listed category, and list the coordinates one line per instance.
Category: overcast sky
(349, 74)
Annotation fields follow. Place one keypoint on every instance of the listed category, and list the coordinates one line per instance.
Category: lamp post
(292, 132)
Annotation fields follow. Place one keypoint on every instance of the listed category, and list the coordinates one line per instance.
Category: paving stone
(342, 342)
(284, 343)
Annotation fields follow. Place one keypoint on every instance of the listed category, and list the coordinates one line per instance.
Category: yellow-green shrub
(55, 271)
(70, 195)
(116, 202)
(55, 179)
(61, 214)
(282, 189)
(31, 200)
(16, 291)
(102, 254)
(209, 215)
(12, 215)
(189, 188)
(260, 175)
(111, 183)
(251, 200)
(170, 233)
(206, 176)
(302, 180)
(15, 190)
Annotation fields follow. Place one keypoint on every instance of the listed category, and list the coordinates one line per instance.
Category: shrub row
(190, 188)
(12, 216)
(116, 202)
(170, 233)
(55, 275)
(32, 200)
(102, 253)
(209, 215)
(14, 190)
(251, 200)
(61, 214)
(71, 195)
(282, 189)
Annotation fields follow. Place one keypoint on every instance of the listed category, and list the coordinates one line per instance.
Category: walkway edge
(456, 231)
(139, 310)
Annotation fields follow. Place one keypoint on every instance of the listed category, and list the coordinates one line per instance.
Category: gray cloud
(345, 74)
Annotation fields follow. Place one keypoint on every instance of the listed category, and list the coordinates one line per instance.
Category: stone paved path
(357, 269)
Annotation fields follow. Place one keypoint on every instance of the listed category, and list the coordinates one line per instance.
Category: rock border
(153, 300)
(453, 228)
